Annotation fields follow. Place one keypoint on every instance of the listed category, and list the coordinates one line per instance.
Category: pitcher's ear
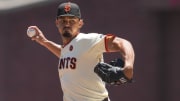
(56, 23)
(81, 23)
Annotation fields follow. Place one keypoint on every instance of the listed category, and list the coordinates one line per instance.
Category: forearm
(128, 55)
(52, 47)
(126, 50)
(42, 40)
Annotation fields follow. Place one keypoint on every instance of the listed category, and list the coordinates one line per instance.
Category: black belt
(106, 99)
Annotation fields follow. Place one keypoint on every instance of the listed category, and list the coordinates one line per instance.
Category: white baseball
(31, 32)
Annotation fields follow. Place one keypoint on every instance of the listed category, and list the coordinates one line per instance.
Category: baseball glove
(112, 73)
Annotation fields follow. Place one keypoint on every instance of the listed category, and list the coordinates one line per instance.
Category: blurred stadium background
(28, 72)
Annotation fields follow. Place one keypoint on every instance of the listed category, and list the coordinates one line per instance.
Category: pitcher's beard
(67, 34)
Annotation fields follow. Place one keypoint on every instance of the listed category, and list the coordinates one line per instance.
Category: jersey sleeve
(106, 39)
(98, 42)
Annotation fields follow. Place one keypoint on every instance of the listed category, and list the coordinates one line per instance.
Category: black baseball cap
(68, 9)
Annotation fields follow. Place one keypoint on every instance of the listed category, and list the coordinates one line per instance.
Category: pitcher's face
(69, 26)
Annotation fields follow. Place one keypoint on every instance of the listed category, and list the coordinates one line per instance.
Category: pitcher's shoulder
(91, 35)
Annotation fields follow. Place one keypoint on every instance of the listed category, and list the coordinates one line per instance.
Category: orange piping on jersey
(107, 37)
(64, 45)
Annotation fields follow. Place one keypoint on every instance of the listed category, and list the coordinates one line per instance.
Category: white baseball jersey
(76, 68)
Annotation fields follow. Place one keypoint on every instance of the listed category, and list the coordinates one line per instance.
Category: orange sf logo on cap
(67, 7)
